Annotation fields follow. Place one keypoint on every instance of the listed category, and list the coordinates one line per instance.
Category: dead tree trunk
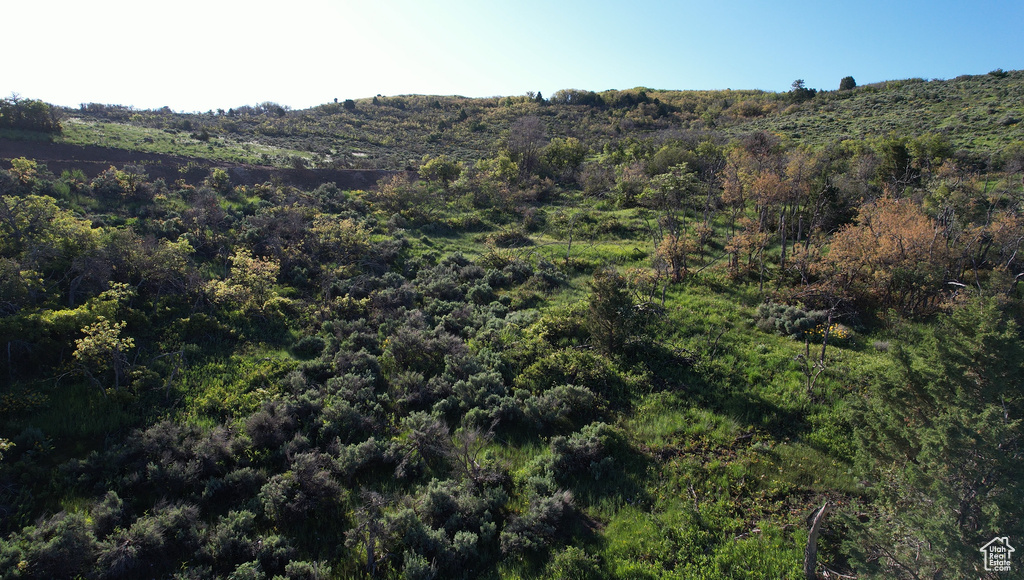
(811, 551)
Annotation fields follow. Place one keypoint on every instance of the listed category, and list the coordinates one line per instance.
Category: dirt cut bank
(93, 160)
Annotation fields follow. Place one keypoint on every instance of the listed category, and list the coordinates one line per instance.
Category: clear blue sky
(197, 55)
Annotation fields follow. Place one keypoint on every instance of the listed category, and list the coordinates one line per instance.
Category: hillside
(973, 113)
(628, 334)
(976, 113)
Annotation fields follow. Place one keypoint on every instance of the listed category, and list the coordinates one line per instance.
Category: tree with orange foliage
(674, 252)
(895, 256)
(750, 241)
(1007, 235)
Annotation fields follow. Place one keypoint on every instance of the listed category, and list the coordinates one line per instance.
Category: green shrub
(231, 541)
(582, 368)
(308, 347)
(541, 526)
(61, 546)
(302, 570)
(512, 238)
(587, 453)
(153, 542)
(788, 321)
(573, 563)
(417, 567)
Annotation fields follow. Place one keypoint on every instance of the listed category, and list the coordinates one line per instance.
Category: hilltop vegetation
(978, 114)
(628, 334)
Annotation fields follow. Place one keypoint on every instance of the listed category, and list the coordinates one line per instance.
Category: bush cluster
(790, 321)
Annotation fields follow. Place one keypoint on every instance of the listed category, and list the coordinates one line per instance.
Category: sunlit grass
(236, 386)
(663, 419)
(123, 136)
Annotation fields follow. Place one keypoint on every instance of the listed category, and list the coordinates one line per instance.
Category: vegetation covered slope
(977, 113)
(632, 334)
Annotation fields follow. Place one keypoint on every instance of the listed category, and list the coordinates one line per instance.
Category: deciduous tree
(526, 138)
(441, 169)
(104, 349)
(251, 283)
(895, 256)
(564, 156)
(28, 115)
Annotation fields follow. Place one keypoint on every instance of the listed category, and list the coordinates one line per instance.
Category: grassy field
(78, 131)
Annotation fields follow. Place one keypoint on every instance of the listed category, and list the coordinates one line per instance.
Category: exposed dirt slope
(93, 160)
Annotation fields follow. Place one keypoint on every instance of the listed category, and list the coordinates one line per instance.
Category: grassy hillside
(634, 334)
(976, 113)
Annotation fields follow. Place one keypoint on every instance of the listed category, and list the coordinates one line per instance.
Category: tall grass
(73, 414)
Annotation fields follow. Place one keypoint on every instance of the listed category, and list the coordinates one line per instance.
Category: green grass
(79, 131)
(666, 419)
(974, 113)
(20, 135)
(235, 386)
(803, 467)
(743, 435)
(68, 410)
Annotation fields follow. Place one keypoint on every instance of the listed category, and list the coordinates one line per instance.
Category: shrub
(59, 547)
(274, 554)
(241, 483)
(290, 498)
(425, 442)
(547, 277)
(562, 329)
(413, 349)
(586, 452)
(563, 408)
(166, 459)
(512, 238)
(108, 514)
(270, 427)
(612, 318)
(788, 320)
(458, 507)
(232, 540)
(541, 526)
(575, 367)
(416, 567)
(247, 571)
(308, 347)
(355, 459)
(340, 420)
(481, 294)
(307, 571)
(476, 388)
(574, 564)
(154, 542)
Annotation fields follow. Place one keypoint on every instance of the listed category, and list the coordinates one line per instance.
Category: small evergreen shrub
(541, 526)
(512, 238)
(788, 320)
(308, 347)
